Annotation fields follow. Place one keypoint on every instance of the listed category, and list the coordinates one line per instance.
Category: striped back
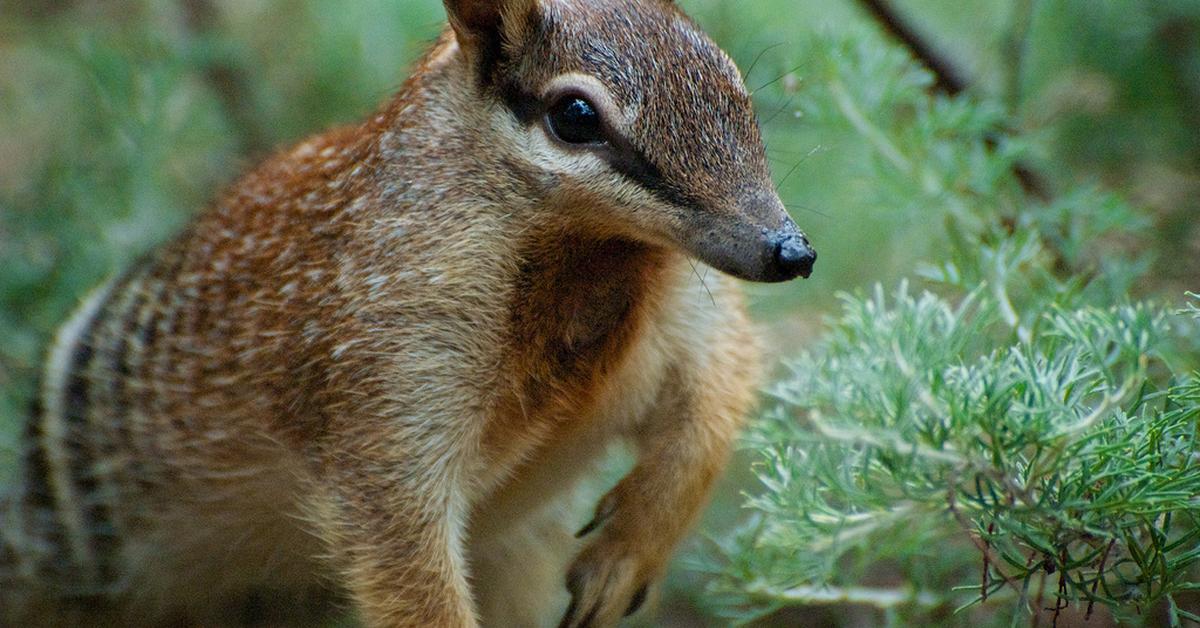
(84, 444)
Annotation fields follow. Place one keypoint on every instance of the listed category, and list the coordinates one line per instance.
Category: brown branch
(1099, 577)
(1016, 47)
(983, 587)
(1028, 579)
(1041, 599)
(950, 80)
(1060, 601)
(984, 548)
(947, 78)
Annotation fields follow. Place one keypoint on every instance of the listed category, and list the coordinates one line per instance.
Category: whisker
(807, 209)
(787, 103)
(702, 283)
(798, 163)
(790, 172)
(759, 58)
(775, 80)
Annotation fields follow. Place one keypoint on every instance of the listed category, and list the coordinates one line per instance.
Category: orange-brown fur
(381, 355)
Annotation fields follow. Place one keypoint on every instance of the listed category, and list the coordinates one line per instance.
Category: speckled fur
(378, 357)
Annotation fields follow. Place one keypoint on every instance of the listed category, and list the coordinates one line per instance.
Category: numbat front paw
(606, 583)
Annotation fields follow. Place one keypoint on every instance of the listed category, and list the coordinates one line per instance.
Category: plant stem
(1016, 46)
(876, 597)
(950, 80)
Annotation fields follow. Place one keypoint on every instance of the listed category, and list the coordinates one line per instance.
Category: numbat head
(624, 113)
(376, 366)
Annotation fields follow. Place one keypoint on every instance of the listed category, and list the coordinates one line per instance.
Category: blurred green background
(119, 119)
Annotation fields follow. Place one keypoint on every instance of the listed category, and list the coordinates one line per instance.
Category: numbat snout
(363, 377)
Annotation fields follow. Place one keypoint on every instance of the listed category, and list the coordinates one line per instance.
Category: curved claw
(638, 600)
(568, 620)
(604, 592)
(572, 608)
(569, 616)
(604, 511)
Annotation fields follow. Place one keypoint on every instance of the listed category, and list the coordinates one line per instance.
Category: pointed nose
(793, 257)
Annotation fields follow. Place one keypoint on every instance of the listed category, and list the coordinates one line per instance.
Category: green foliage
(1025, 427)
(1020, 363)
(911, 423)
(1193, 305)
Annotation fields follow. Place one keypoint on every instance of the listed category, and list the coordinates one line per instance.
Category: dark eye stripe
(621, 155)
(523, 104)
(632, 163)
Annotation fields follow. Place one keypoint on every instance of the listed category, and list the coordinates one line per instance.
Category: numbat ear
(482, 26)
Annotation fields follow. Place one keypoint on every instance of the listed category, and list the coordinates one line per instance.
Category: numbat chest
(366, 375)
(579, 310)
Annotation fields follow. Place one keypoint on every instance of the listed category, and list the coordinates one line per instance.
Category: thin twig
(983, 587)
(1041, 599)
(1017, 46)
(950, 80)
(1099, 576)
(873, 134)
(986, 550)
(946, 77)
(1060, 598)
(878, 598)
(1023, 601)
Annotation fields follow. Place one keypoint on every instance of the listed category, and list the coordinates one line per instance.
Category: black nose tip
(794, 256)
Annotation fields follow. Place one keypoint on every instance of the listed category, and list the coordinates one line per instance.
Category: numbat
(378, 355)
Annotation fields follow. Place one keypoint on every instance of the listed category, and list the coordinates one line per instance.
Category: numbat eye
(575, 121)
